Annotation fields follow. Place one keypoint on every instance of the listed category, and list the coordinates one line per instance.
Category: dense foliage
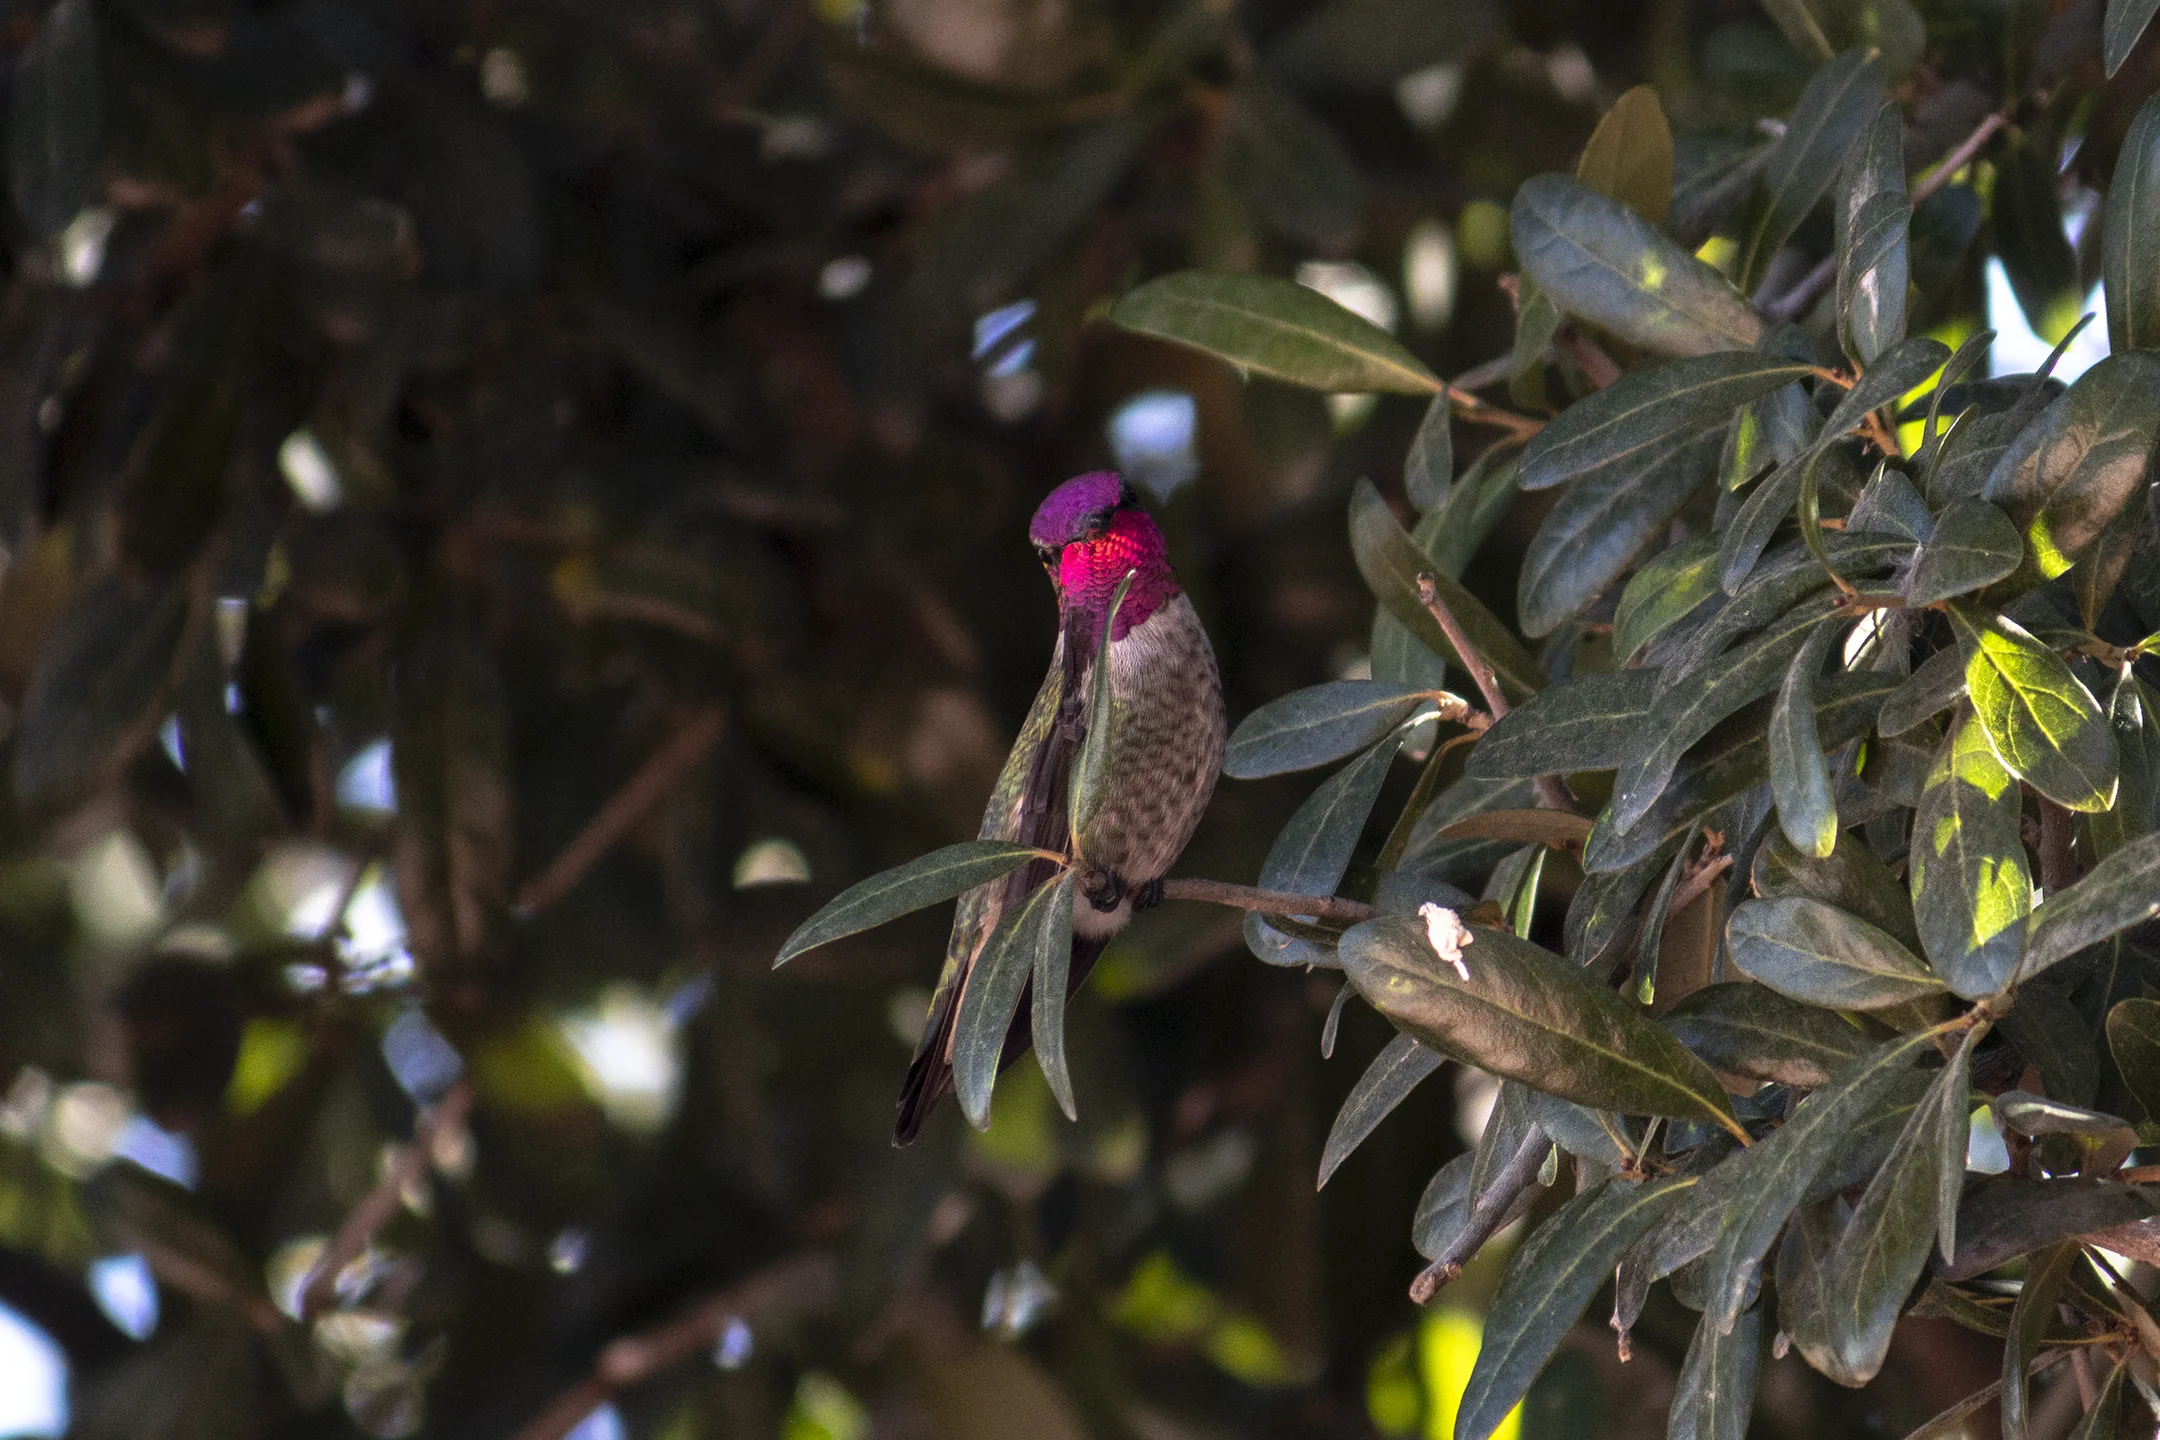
(496, 497)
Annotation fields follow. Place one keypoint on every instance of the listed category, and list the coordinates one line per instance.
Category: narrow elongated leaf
(1716, 1394)
(1774, 1176)
(1603, 522)
(1454, 531)
(1973, 545)
(1391, 562)
(1393, 1074)
(1873, 216)
(2104, 1420)
(1624, 426)
(1442, 1208)
(2136, 728)
(991, 996)
(1629, 155)
(1890, 505)
(1556, 829)
(2040, 720)
(1852, 878)
(1276, 328)
(1547, 1287)
(1820, 955)
(1799, 779)
(1318, 725)
(2133, 1033)
(2121, 891)
(1429, 464)
(1803, 1265)
(1314, 848)
(1585, 722)
(2028, 1323)
(2027, 211)
(1603, 263)
(1051, 972)
(1751, 528)
(1905, 368)
(2126, 21)
(1834, 109)
(1934, 687)
(1529, 1015)
(2004, 1217)
(1770, 430)
(1091, 767)
(1752, 1030)
(2105, 1139)
(1670, 585)
(2130, 232)
(1971, 889)
(1593, 1135)
(889, 894)
(53, 120)
(2070, 472)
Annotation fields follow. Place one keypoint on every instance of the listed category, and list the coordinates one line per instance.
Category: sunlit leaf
(1275, 328)
(2040, 720)
(1317, 726)
(2070, 472)
(1629, 156)
(1752, 1030)
(1667, 588)
(1971, 889)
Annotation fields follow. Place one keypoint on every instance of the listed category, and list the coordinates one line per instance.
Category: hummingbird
(1166, 747)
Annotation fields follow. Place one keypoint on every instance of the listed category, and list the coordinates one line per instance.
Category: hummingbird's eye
(1047, 553)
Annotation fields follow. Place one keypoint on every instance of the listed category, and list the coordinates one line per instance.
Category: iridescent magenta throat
(1088, 573)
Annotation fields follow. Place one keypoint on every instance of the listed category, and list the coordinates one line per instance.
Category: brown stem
(1696, 881)
(2058, 868)
(1794, 302)
(624, 809)
(791, 1286)
(1269, 902)
(1478, 412)
(1488, 1212)
(1597, 367)
(1551, 793)
(378, 1206)
(1959, 158)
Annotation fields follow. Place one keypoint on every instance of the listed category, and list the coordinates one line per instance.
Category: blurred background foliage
(507, 504)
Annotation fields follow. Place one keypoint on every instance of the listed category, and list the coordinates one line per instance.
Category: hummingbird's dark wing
(1028, 806)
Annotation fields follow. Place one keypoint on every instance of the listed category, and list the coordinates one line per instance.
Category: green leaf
(1529, 1015)
(1314, 848)
(2040, 720)
(1973, 545)
(1393, 1074)
(1454, 531)
(1666, 589)
(1391, 563)
(1799, 778)
(2130, 232)
(1091, 767)
(53, 120)
(2126, 21)
(2121, 891)
(1289, 167)
(1851, 877)
(1594, 1135)
(2104, 1420)
(2069, 473)
(1548, 1285)
(889, 894)
(1622, 429)
(2136, 810)
(2029, 234)
(1834, 109)
(2004, 1217)
(1442, 1208)
(1933, 688)
(1775, 1174)
(1586, 722)
(2133, 1034)
(2105, 1140)
(1890, 505)
(1820, 955)
(1051, 974)
(1716, 1393)
(1318, 726)
(1751, 1030)
(1603, 263)
(2029, 1319)
(1429, 464)
(1971, 890)
(991, 996)
(1873, 218)
(1603, 521)
(1276, 328)
(2051, 1033)
(1803, 1263)
(925, 106)
(1629, 155)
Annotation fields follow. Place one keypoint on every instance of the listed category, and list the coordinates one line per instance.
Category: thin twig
(1696, 881)
(1269, 902)
(1794, 302)
(1959, 158)
(1488, 1212)
(1479, 412)
(793, 1285)
(1599, 368)
(373, 1212)
(2058, 866)
(1488, 684)
(625, 808)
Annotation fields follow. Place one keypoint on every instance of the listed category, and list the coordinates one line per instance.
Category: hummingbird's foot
(1103, 889)
(1148, 896)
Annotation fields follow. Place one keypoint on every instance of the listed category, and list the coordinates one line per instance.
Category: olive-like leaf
(1629, 156)
(2029, 1318)
(1526, 1014)
(1628, 424)
(2106, 1139)
(1276, 328)
(2121, 891)
(1391, 562)
(889, 894)
(1669, 586)
(2126, 21)
(1752, 1030)
(2069, 473)
(1429, 463)
(1820, 955)
(2004, 1217)
(1318, 726)
(2104, 1420)
(991, 996)
(2051, 1034)
(2133, 720)
(1971, 889)
(1873, 218)
(1716, 1393)
(1891, 505)
(1972, 545)
(1799, 778)
(1442, 1207)
(2130, 232)
(1548, 1285)
(1314, 848)
(2133, 1034)
(2040, 720)
(1602, 262)
(1401, 1064)
(1852, 877)
(1833, 111)
(1934, 687)
(1586, 722)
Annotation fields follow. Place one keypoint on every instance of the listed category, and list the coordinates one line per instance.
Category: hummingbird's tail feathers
(930, 1076)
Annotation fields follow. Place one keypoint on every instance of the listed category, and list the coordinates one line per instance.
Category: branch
(1550, 792)
(793, 1285)
(1269, 902)
(1959, 158)
(660, 773)
(380, 1204)
(1488, 1212)
(1479, 412)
